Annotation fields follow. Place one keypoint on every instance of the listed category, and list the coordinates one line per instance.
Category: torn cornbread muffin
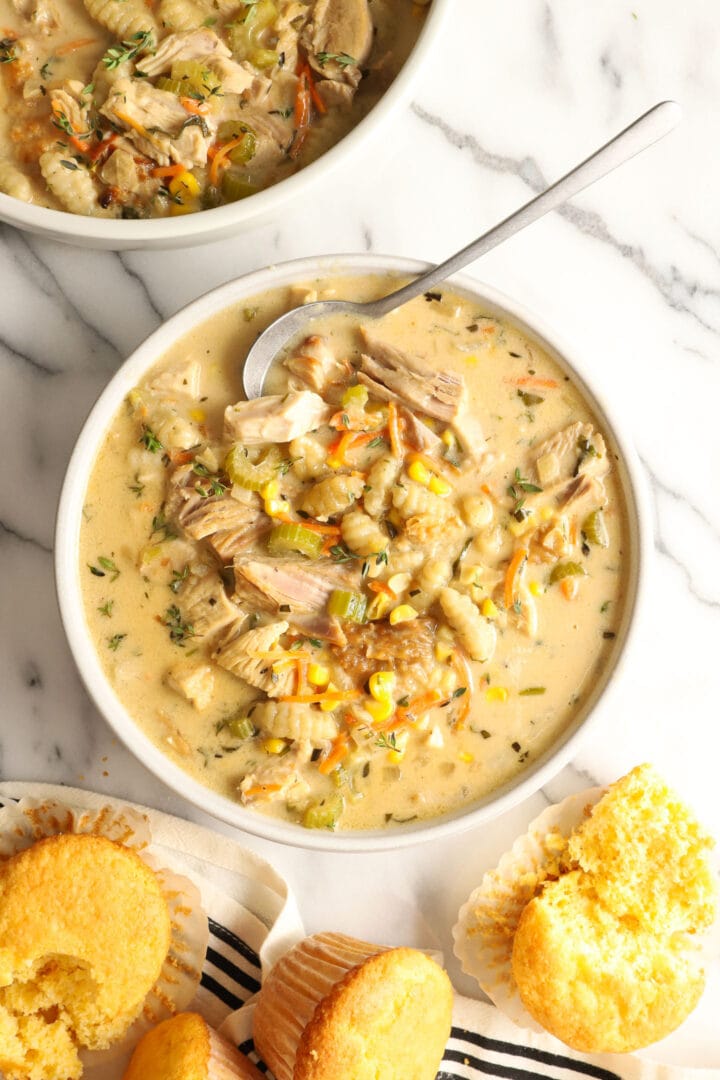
(84, 932)
(334, 1008)
(606, 956)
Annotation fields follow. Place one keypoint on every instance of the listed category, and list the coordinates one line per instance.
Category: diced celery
(263, 58)
(346, 604)
(253, 475)
(173, 86)
(355, 395)
(595, 529)
(567, 569)
(245, 37)
(324, 815)
(195, 77)
(284, 538)
(244, 151)
(235, 187)
(241, 727)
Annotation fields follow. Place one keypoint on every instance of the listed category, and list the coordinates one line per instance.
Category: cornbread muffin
(335, 1008)
(603, 957)
(84, 931)
(186, 1048)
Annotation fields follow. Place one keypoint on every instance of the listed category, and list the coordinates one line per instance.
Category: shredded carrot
(126, 119)
(99, 149)
(574, 533)
(569, 587)
(363, 438)
(513, 570)
(316, 99)
(338, 751)
(434, 464)
(342, 421)
(328, 545)
(73, 46)
(261, 789)
(181, 457)
(419, 705)
(462, 666)
(302, 114)
(219, 158)
(301, 669)
(315, 526)
(197, 108)
(161, 171)
(394, 430)
(315, 699)
(381, 587)
(338, 449)
(534, 380)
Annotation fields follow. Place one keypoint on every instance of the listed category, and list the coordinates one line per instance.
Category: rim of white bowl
(69, 591)
(221, 222)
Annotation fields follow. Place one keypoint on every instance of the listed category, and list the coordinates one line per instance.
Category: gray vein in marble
(16, 535)
(42, 277)
(123, 260)
(32, 676)
(611, 70)
(36, 366)
(367, 238)
(549, 32)
(659, 487)
(676, 290)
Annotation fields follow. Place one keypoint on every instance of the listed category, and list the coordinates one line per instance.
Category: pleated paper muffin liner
(30, 820)
(486, 925)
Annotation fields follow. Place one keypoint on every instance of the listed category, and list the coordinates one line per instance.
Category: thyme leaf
(127, 50)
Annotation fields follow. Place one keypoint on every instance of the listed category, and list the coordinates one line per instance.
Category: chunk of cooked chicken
(279, 779)
(338, 28)
(181, 380)
(576, 449)
(393, 376)
(276, 418)
(189, 45)
(193, 681)
(272, 584)
(316, 364)
(251, 656)
(157, 124)
(206, 606)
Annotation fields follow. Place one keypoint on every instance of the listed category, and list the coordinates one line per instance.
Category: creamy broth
(508, 574)
(134, 109)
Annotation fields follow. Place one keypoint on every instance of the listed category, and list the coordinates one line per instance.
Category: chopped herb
(210, 21)
(179, 630)
(115, 641)
(608, 635)
(72, 165)
(106, 608)
(414, 592)
(530, 399)
(284, 113)
(128, 50)
(377, 441)
(7, 51)
(160, 525)
(485, 734)
(404, 702)
(249, 313)
(391, 530)
(108, 566)
(604, 607)
(517, 491)
(381, 558)
(343, 59)
(137, 488)
(45, 71)
(517, 607)
(387, 742)
(459, 692)
(516, 747)
(150, 441)
(284, 607)
(178, 577)
(315, 642)
(532, 691)
(461, 556)
(430, 296)
(85, 92)
(341, 554)
(197, 121)
(345, 419)
(285, 466)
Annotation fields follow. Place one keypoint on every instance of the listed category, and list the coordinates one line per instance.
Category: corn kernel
(274, 746)
(378, 607)
(184, 184)
(398, 752)
(271, 490)
(448, 437)
(329, 706)
(418, 472)
(439, 486)
(318, 674)
(496, 693)
(519, 528)
(466, 756)
(489, 608)
(443, 651)
(402, 613)
(380, 710)
(178, 209)
(198, 415)
(382, 684)
(536, 588)
(334, 462)
(399, 583)
(546, 513)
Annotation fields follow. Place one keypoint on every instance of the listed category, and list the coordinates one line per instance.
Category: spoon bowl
(642, 133)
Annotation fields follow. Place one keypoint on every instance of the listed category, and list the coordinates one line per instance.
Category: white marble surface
(516, 93)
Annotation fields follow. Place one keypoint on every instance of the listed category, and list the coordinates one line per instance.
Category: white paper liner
(486, 924)
(31, 819)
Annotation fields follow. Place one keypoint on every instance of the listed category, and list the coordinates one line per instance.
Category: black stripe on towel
(248, 1049)
(220, 991)
(557, 1061)
(238, 976)
(229, 938)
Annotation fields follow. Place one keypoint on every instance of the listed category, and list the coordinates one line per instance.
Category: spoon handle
(642, 133)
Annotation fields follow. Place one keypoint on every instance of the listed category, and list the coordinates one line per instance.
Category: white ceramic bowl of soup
(69, 567)
(263, 206)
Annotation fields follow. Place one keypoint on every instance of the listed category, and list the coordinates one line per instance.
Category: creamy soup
(137, 108)
(373, 595)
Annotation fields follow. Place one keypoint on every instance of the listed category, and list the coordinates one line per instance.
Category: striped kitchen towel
(253, 919)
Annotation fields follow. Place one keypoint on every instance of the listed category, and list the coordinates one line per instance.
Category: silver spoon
(646, 130)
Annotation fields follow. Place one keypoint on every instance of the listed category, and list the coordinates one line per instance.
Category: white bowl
(67, 568)
(224, 221)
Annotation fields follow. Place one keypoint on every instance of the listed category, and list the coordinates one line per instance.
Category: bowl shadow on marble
(69, 591)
